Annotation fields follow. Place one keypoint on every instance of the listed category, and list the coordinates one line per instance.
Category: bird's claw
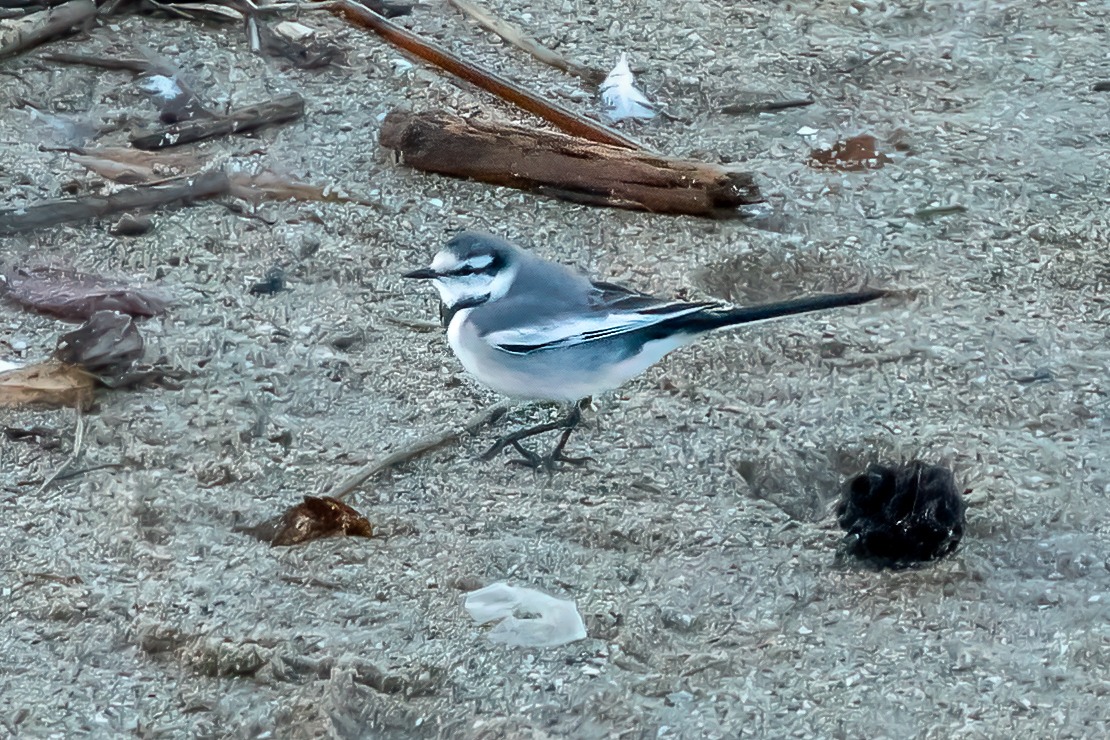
(529, 459)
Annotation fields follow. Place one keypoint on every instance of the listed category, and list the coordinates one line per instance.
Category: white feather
(619, 97)
(161, 86)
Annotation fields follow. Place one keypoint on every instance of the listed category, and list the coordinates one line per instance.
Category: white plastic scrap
(619, 97)
(294, 31)
(529, 618)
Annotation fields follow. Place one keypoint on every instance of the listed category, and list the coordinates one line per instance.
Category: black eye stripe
(490, 269)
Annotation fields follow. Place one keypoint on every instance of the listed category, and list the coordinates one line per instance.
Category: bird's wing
(589, 326)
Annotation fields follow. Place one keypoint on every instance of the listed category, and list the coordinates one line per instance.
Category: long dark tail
(718, 319)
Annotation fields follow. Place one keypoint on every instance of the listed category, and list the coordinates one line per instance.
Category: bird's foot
(535, 461)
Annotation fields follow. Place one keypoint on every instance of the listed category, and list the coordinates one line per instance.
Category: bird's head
(471, 269)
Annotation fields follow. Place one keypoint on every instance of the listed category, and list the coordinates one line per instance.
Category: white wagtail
(537, 330)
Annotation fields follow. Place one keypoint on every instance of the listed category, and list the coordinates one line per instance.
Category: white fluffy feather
(619, 97)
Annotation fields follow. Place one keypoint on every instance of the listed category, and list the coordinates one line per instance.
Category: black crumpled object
(898, 516)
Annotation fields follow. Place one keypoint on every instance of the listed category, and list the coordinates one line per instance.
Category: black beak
(424, 273)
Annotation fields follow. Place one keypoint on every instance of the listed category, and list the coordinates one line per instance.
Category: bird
(536, 330)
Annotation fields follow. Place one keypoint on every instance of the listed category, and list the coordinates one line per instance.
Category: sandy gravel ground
(699, 546)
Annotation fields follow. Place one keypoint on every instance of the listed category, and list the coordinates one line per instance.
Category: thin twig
(517, 37)
(78, 444)
(869, 60)
(766, 106)
(564, 118)
(93, 468)
(934, 211)
(414, 324)
(419, 448)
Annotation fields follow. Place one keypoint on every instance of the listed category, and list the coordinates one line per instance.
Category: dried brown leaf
(107, 345)
(53, 384)
(74, 296)
(131, 166)
(320, 517)
(855, 154)
(272, 186)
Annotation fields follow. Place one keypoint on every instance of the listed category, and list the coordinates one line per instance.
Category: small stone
(679, 697)
(129, 225)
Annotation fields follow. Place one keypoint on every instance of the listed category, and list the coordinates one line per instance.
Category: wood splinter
(37, 28)
(565, 166)
(70, 210)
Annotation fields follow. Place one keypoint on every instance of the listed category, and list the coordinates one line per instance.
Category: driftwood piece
(286, 108)
(565, 166)
(67, 210)
(31, 30)
(518, 38)
(565, 119)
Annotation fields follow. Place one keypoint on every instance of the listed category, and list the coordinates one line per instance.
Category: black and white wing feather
(613, 311)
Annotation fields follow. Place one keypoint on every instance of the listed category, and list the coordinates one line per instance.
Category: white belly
(567, 374)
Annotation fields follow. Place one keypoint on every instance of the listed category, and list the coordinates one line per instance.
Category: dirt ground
(700, 545)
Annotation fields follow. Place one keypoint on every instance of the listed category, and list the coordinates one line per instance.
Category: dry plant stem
(78, 445)
(32, 30)
(418, 448)
(561, 117)
(565, 166)
(67, 210)
(286, 108)
(513, 35)
(381, 7)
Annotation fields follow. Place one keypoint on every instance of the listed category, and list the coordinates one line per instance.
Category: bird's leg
(533, 460)
(573, 421)
(513, 440)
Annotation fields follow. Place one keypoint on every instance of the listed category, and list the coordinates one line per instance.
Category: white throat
(464, 290)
